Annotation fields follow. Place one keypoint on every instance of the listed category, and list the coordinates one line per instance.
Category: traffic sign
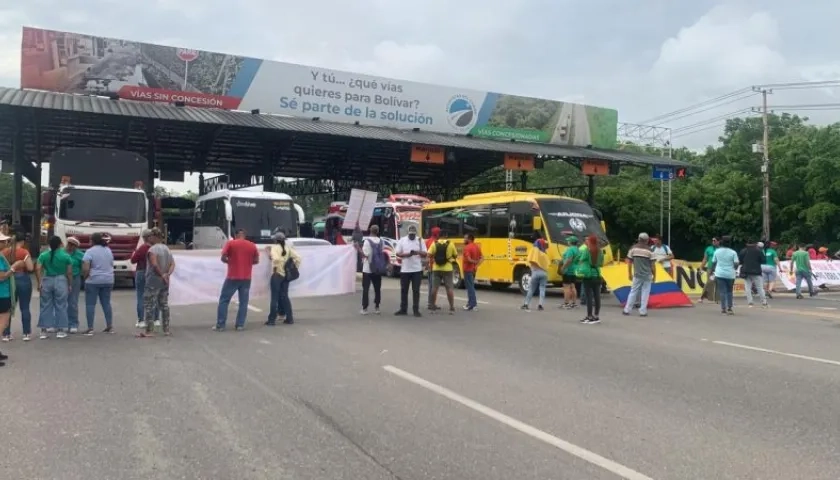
(663, 172)
(187, 54)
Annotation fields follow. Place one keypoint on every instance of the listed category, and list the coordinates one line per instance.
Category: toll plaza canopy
(33, 124)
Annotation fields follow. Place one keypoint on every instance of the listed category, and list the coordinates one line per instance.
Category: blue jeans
(725, 291)
(539, 279)
(285, 301)
(469, 282)
(73, 303)
(54, 293)
(23, 295)
(103, 293)
(243, 288)
(140, 287)
(807, 277)
(277, 308)
(639, 293)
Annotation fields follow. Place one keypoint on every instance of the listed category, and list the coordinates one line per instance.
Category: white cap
(760, 245)
(3, 237)
(644, 237)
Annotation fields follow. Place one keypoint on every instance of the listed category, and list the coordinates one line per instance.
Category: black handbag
(292, 272)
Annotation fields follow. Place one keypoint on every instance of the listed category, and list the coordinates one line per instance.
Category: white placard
(359, 209)
(324, 271)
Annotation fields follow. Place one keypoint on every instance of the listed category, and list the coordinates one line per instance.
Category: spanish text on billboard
(76, 63)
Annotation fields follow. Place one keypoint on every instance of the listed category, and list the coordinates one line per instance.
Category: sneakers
(61, 334)
(525, 308)
(27, 337)
(240, 329)
(88, 332)
(7, 338)
(218, 328)
(45, 334)
(400, 313)
(74, 331)
(364, 311)
(140, 324)
(540, 308)
(417, 314)
(108, 330)
(590, 320)
(468, 308)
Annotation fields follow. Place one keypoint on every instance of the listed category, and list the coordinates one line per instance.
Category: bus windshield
(106, 206)
(570, 217)
(262, 217)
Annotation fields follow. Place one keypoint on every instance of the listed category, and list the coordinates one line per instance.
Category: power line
(689, 132)
(797, 85)
(699, 105)
(712, 120)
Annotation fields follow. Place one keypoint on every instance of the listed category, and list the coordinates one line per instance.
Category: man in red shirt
(240, 255)
(472, 259)
(429, 241)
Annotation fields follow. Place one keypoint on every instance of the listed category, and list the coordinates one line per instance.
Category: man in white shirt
(411, 249)
(662, 254)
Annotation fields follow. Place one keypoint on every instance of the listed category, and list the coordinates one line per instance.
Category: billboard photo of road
(73, 63)
(540, 120)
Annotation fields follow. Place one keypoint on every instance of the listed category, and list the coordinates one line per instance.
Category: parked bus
(504, 224)
(219, 214)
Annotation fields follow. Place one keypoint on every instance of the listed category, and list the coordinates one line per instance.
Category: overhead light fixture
(180, 104)
(316, 119)
(255, 111)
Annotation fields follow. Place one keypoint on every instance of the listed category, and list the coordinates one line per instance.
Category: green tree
(6, 184)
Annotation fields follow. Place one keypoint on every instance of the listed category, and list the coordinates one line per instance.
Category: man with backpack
(374, 266)
(442, 256)
(662, 253)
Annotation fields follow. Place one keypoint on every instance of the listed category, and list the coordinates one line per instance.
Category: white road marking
(826, 308)
(250, 307)
(264, 341)
(776, 352)
(570, 448)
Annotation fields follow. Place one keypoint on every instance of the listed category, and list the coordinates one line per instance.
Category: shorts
(768, 273)
(5, 305)
(570, 279)
(442, 277)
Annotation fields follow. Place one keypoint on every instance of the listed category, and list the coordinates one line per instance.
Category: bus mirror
(604, 226)
(228, 212)
(537, 224)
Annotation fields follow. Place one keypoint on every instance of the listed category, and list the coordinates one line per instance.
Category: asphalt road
(495, 394)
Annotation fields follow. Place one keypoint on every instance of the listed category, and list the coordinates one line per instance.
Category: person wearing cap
(54, 274)
(281, 304)
(77, 256)
(98, 272)
(22, 293)
(240, 255)
(770, 267)
(568, 270)
(139, 258)
(412, 250)
(158, 271)
(641, 271)
(751, 259)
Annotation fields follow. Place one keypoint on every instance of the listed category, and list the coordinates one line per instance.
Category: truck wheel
(457, 279)
(522, 274)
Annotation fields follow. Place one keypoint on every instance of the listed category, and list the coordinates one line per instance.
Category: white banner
(826, 272)
(324, 271)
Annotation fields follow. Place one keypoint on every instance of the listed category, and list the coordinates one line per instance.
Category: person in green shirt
(589, 265)
(568, 270)
(55, 277)
(800, 263)
(709, 260)
(76, 256)
(770, 267)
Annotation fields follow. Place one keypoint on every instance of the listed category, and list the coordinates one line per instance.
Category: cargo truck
(99, 190)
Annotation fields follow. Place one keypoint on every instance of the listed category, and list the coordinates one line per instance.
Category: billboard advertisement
(76, 63)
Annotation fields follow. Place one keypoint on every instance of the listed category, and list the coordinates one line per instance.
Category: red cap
(435, 231)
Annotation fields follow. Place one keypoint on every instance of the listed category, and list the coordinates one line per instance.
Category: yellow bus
(504, 224)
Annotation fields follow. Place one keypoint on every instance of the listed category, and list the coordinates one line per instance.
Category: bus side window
(477, 220)
(499, 221)
(524, 216)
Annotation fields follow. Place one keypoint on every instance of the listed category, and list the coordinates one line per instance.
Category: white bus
(218, 215)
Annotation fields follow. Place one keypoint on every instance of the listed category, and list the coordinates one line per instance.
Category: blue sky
(643, 58)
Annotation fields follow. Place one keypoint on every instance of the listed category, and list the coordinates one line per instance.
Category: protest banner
(324, 271)
(691, 278)
(664, 293)
(826, 273)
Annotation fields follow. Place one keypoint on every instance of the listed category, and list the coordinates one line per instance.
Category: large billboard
(76, 63)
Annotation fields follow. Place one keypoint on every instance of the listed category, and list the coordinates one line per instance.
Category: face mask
(412, 236)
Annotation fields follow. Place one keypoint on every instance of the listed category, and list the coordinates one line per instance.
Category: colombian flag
(664, 293)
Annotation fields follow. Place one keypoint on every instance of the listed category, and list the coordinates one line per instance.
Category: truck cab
(80, 202)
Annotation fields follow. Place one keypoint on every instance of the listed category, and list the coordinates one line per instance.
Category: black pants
(414, 279)
(592, 287)
(369, 279)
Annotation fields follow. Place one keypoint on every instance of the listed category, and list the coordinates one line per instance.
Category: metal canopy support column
(17, 177)
(150, 183)
(590, 193)
(268, 171)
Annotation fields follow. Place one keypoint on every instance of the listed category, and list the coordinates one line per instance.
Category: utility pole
(765, 165)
